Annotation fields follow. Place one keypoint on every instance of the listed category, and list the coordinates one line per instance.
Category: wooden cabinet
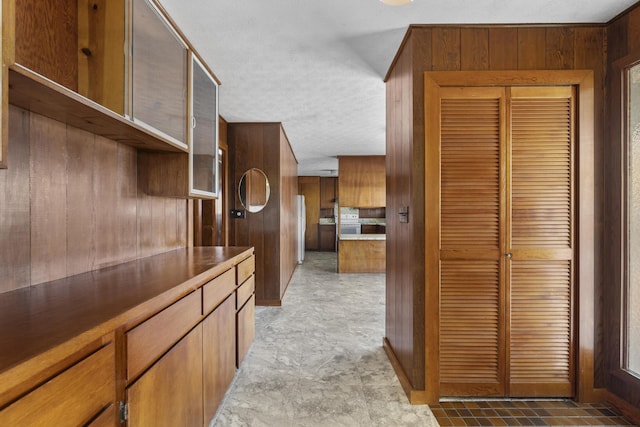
(328, 192)
(218, 355)
(156, 94)
(82, 391)
(157, 335)
(170, 392)
(149, 340)
(362, 256)
(361, 181)
(327, 234)
(158, 73)
(245, 308)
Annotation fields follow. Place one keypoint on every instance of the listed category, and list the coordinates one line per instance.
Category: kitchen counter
(363, 237)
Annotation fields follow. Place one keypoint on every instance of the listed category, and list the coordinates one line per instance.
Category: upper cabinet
(159, 73)
(328, 192)
(119, 69)
(204, 134)
(362, 181)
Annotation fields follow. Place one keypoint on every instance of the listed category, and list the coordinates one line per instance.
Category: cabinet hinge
(124, 412)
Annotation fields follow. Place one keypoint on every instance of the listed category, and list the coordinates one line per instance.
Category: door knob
(509, 255)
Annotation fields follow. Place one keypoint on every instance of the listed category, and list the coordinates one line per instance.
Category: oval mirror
(254, 190)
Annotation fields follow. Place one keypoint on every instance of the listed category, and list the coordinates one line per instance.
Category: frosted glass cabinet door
(160, 74)
(204, 144)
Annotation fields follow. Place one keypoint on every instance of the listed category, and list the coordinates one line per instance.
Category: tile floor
(526, 413)
(318, 361)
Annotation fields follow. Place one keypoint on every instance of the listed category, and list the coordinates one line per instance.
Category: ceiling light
(396, 2)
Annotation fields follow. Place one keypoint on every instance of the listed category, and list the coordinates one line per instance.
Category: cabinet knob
(509, 255)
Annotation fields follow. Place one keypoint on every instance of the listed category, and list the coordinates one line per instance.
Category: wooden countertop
(80, 309)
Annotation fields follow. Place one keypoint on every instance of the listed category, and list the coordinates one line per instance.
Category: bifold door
(506, 241)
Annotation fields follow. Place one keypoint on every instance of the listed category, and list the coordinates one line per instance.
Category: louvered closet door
(541, 242)
(506, 242)
(472, 323)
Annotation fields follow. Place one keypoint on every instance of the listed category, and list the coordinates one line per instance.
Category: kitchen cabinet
(219, 354)
(245, 306)
(158, 69)
(328, 192)
(156, 95)
(327, 234)
(361, 181)
(88, 387)
(362, 254)
(170, 392)
(173, 318)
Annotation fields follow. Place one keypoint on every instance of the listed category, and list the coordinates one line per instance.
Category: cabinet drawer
(245, 291)
(246, 269)
(71, 398)
(149, 340)
(214, 292)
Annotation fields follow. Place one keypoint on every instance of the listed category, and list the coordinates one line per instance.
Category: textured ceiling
(318, 66)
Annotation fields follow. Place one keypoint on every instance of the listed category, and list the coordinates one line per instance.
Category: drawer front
(246, 269)
(71, 398)
(149, 340)
(217, 290)
(245, 291)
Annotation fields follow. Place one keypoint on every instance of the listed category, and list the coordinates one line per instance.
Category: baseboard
(269, 302)
(628, 410)
(416, 397)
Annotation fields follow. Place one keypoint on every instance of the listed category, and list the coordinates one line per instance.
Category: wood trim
(432, 240)
(627, 409)
(585, 239)
(416, 397)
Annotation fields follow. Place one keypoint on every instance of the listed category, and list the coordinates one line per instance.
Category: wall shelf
(38, 94)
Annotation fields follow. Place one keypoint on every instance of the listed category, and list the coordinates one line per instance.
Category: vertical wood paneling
(503, 48)
(81, 202)
(48, 199)
(70, 204)
(474, 49)
(633, 28)
(127, 192)
(259, 145)
(309, 186)
(288, 211)
(106, 191)
(531, 48)
(559, 48)
(15, 226)
(445, 49)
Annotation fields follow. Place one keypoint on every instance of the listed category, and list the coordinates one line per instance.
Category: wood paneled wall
(288, 212)
(623, 46)
(272, 231)
(463, 48)
(309, 187)
(70, 204)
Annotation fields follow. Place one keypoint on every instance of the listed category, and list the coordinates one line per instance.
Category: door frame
(584, 313)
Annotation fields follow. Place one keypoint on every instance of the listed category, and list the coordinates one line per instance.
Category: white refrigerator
(302, 226)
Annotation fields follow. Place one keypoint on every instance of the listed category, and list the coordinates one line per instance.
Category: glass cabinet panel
(204, 137)
(160, 73)
(633, 223)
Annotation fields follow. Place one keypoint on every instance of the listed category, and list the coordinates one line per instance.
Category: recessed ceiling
(318, 66)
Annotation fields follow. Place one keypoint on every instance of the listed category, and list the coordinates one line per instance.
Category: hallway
(318, 359)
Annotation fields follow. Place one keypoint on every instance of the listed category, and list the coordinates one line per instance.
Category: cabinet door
(71, 398)
(204, 136)
(170, 392)
(328, 192)
(159, 64)
(246, 328)
(219, 351)
(362, 181)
